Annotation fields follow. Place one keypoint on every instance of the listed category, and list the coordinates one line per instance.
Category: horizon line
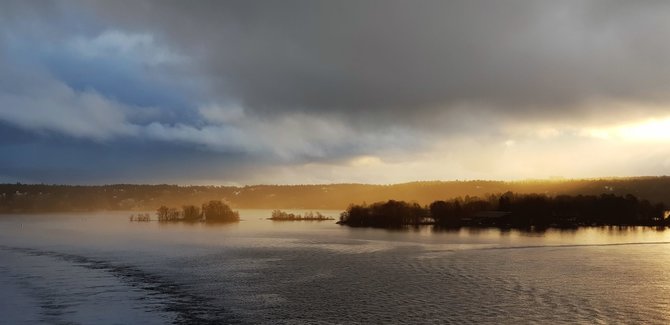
(525, 180)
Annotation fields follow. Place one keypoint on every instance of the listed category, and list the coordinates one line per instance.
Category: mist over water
(83, 268)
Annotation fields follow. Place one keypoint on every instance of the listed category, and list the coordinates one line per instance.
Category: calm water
(101, 269)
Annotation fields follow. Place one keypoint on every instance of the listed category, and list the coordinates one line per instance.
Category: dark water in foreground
(101, 269)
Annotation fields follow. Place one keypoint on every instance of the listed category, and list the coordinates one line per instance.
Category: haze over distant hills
(16, 198)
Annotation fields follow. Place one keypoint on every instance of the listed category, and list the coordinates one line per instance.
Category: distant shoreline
(28, 198)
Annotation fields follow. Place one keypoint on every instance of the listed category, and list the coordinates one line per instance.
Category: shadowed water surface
(99, 268)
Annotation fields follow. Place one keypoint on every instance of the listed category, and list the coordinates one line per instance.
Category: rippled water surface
(99, 268)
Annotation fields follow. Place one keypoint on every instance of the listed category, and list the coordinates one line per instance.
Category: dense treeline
(23, 198)
(384, 214)
(278, 215)
(512, 210)
(212, 211)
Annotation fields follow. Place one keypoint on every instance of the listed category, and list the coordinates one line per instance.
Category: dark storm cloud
(385, 62)
(390, 59)
(238, 90)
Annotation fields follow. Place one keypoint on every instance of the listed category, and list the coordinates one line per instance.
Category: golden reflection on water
(114, 228)
(467, 275)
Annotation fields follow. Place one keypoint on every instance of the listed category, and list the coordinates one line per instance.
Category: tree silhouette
(217, 211)
(511, 210)
(191, 213)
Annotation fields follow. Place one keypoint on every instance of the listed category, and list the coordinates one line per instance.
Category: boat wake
(61, 295)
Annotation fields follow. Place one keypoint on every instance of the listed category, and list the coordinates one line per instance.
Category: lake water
(99, 268)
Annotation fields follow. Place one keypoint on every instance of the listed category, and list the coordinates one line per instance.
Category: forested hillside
(16, 198)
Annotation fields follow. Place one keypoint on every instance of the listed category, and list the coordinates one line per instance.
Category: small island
(211, 212)
(278, 215)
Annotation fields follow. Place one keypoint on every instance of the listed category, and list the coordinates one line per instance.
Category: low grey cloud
(38, 102)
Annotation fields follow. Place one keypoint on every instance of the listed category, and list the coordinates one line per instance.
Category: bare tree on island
(167, 214)
(191, 213)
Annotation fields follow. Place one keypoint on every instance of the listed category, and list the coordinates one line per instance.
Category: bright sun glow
(649, 130)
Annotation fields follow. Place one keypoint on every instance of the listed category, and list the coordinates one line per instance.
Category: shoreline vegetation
(44, 198)
(212, 211)
(613, 202)
(278, 215)
(510, 210)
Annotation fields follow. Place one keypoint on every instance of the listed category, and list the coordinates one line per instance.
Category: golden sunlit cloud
(365, 161)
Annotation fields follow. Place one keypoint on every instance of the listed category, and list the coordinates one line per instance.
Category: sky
(297, 92)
